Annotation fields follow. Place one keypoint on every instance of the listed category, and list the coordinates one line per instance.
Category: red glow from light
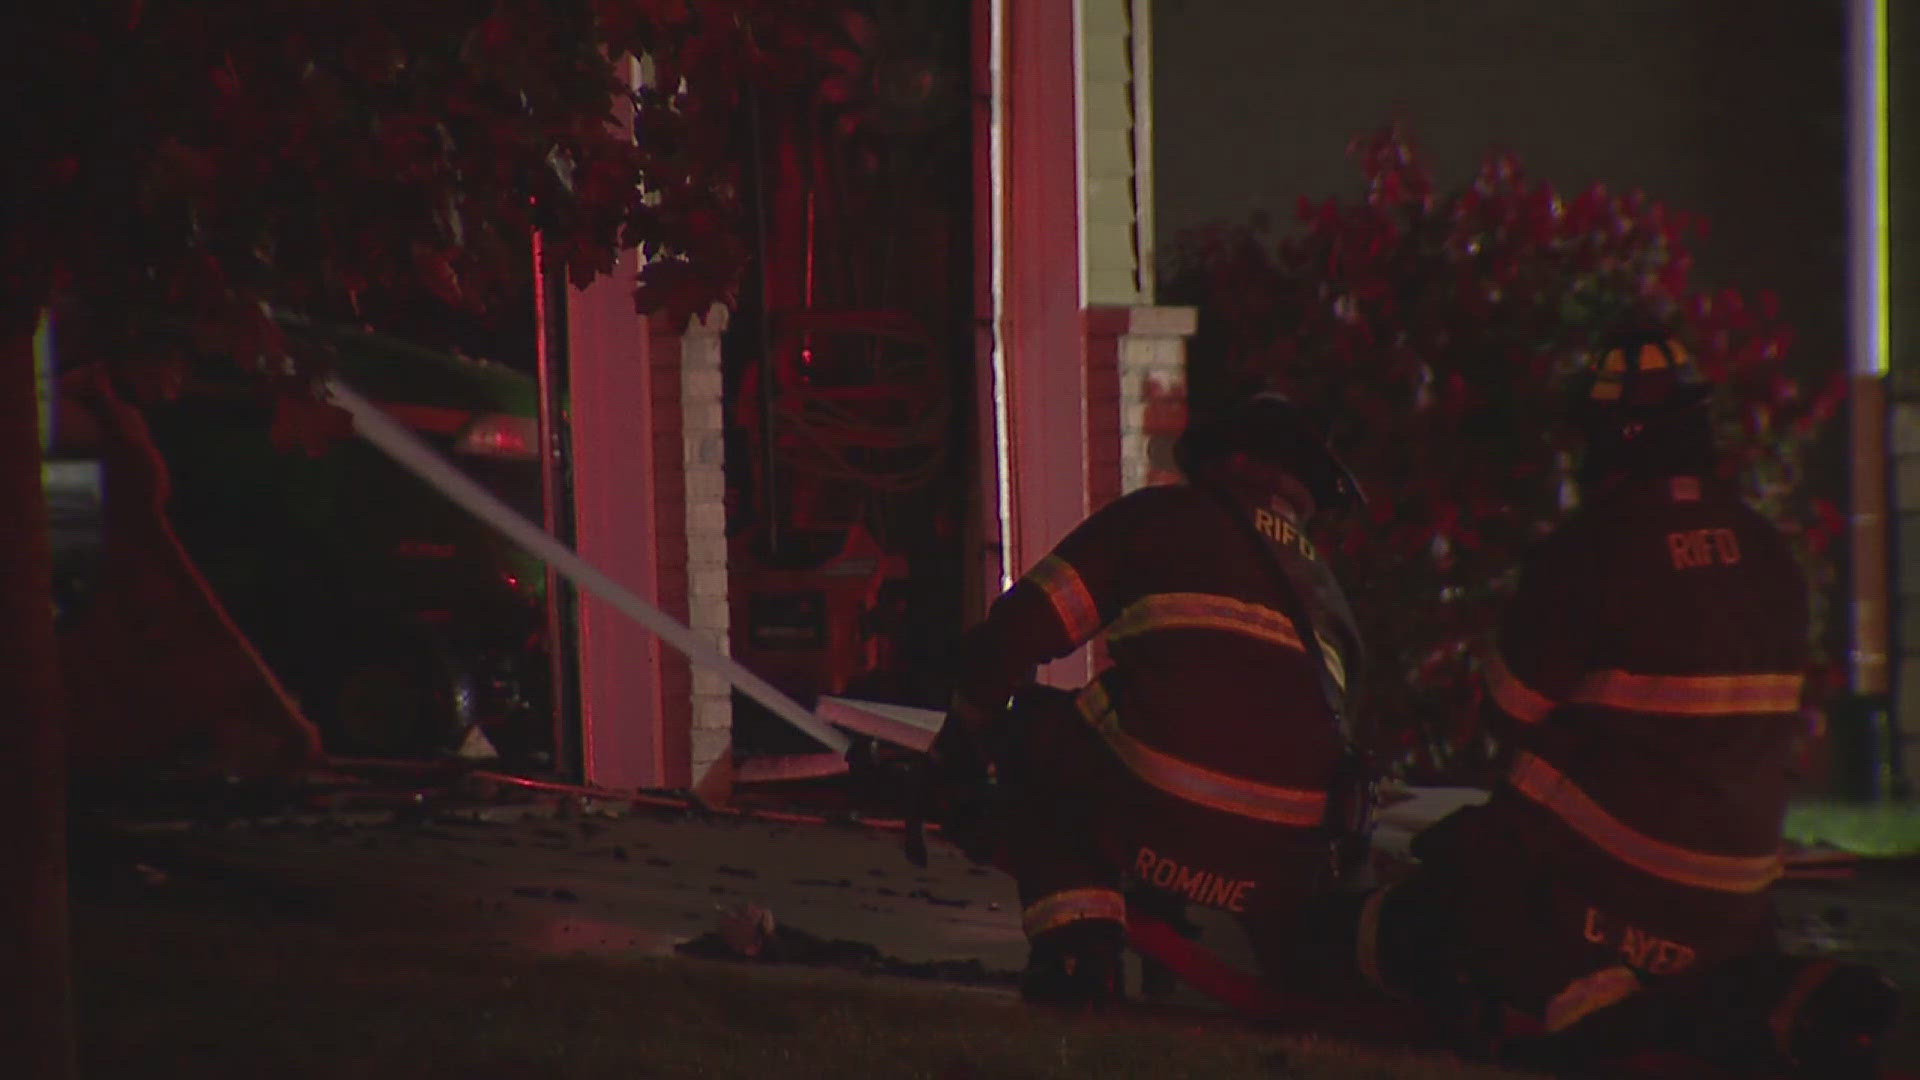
(502, 440)
(501, 435)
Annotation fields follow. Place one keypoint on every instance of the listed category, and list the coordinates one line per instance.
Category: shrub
(1439, 330)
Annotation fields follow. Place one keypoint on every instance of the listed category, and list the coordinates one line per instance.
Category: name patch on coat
(1281, 531)
(1696, 548)
(1641, 950)
(1199, 886)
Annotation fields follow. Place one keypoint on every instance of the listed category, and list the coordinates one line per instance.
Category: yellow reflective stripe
(1336, 667)
(1691, 695)
(1517, 699)
(1198, 784)
(1589, 994)
(1537, 780)
(1204, 611)
(1053, 911)
(1071, 600)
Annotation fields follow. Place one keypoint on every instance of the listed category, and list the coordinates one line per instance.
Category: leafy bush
(1439, 330)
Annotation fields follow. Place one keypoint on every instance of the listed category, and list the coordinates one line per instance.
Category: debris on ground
(750, 932)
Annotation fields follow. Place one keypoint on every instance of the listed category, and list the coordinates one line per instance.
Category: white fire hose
(406, 448)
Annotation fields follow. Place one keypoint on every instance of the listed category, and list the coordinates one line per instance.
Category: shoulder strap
(1306, 591)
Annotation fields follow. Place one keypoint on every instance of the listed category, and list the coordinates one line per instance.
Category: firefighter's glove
(959, 792)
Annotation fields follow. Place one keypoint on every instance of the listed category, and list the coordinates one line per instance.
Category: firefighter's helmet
(1644, 373)
(1642, 407)
(1271, 427)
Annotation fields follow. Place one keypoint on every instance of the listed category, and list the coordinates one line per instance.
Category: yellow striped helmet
(1645, 372)
(1643, 409)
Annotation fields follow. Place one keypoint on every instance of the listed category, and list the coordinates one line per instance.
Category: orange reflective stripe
(1590, 993)
(1786, 1015)
(1204, 611)
(1198, 784)
(1537, 780)
(1367, 941)
(1691, 695)
(1056, 910)
(1520, 701)
(1071, 600)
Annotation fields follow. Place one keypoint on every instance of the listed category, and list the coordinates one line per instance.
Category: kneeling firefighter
(1213, 761)
(1612, 896)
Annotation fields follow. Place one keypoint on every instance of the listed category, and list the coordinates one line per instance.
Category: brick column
(1136, 396)
(1153, 393)
(703, 454)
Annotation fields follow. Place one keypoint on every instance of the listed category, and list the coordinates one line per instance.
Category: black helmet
(1273, 429)
(1643, 408)
(1642, 373)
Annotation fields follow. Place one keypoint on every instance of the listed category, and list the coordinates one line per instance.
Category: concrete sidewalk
(559, 873)
(554, 877)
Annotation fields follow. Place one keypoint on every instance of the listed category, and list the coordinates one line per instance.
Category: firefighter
(1212, 761)
(1613, 893)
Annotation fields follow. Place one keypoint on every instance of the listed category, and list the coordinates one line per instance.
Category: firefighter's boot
(1804, 1016)
(1840, 1021)
(1076, 965)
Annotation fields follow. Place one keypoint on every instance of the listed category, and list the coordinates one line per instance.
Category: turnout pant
(1509, 909)
(1078, 827)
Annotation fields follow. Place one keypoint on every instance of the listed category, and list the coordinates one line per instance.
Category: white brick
(704, 416)
(1152, 321)
(705, 449)
(707, 608)
(706, 519)
(706, 551)
(705, 484)
(707, 583)
(700, 383)
(712, 707)
(706, 556)
(707, 744)
(1152, 364)
(715, 717)
(1161, 383)
(699, 348)
(712, 690)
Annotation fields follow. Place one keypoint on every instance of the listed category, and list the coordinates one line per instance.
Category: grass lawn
(1879, 830)
(172, 991)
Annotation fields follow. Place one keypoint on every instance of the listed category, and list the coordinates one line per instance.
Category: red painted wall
(630, 515)
(1041, 322)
